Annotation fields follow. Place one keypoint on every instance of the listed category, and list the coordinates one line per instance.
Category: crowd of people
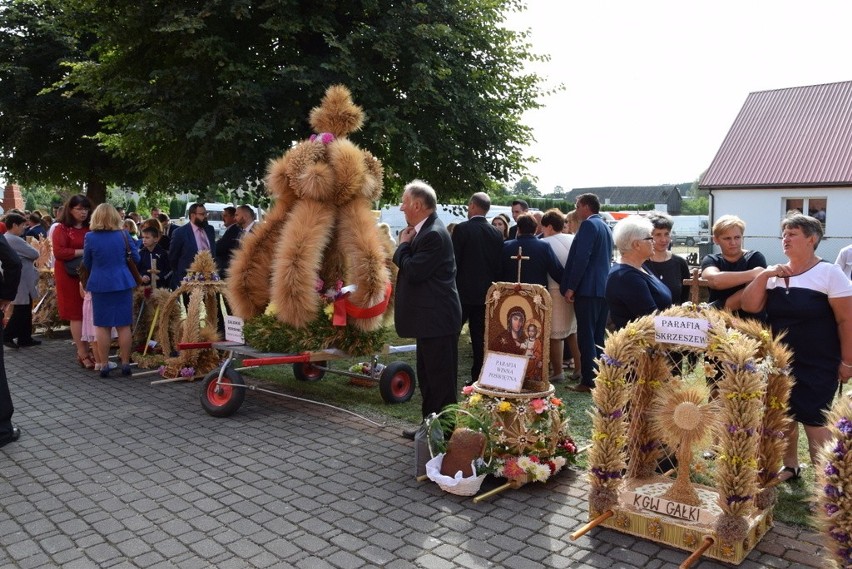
(597, 278)
(600, 277)
(98, 307)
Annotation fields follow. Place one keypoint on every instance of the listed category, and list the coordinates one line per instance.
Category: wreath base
(682, 534)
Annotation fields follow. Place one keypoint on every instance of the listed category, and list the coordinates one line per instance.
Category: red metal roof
(800, 136)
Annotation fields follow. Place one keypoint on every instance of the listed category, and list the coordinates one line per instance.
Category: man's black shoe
(409, 433)
(10, 344)
(16, 434)
(32, 342)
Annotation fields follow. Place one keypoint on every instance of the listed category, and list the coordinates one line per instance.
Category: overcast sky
(652, 87)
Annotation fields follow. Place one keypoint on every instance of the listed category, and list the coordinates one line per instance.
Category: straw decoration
(834, 483)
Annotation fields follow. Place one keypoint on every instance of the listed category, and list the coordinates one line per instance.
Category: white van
(447, 213)
(214, 215)
(690, 229)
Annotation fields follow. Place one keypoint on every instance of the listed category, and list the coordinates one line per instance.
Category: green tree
(525, 187)
(46, 133)
(198, 93)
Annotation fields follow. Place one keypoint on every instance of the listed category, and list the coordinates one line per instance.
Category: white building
(787, 149)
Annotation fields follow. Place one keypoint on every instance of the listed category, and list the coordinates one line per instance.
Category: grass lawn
(793, 498)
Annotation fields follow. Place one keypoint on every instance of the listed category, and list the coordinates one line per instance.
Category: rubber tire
(690, 242)
(228, 399)
(309, 371)
(397, 383)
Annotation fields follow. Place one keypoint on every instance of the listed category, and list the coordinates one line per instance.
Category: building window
(815, 207)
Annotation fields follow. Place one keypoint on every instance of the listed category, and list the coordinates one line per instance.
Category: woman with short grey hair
(631, 291)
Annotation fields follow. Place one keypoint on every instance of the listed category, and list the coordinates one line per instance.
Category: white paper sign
(680, 330)
(504, 371)
(234, 329)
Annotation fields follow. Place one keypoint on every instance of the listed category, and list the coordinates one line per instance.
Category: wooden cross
(519, 257)
(695, 283)
(153, 272)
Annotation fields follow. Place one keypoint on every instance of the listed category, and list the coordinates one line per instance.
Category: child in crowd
(151, 250)
(88, 331)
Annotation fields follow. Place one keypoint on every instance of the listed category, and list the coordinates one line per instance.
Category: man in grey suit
(20, 326)
(427, 304)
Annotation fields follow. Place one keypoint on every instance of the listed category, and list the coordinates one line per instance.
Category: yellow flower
(475, 399)
(329, 310)
(504, 406)
(271, 310)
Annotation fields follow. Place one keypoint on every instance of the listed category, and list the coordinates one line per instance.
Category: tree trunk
(96, 191)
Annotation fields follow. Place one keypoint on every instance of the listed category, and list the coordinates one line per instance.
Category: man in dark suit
(542, 260)
(9, 279)
(518, 207)
(427, 304)
(188, 240)
(584, 284)
(229, 240)
(477, 245)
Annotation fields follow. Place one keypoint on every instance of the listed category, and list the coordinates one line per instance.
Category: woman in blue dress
(110, 282)
(810, 300)
(631, 291)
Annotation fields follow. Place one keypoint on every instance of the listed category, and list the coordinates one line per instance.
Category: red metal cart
(223, 389)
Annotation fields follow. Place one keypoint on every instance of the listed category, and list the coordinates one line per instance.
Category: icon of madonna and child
(515, 328)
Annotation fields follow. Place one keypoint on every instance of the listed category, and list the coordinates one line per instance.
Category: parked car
(690, 229)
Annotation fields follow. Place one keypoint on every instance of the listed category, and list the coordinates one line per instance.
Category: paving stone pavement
(119, 473)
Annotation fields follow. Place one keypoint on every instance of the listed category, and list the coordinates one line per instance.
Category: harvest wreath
(750, 371)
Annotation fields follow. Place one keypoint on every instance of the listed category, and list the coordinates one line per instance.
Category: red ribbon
(342, 308)
(339, 318)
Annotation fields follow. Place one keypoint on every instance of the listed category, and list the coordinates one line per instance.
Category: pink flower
(467, 389)
(538, 405)
(318, 286)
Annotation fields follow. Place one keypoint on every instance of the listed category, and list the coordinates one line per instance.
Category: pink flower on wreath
(319, 285)
(467, 389)
(324, 137)
(512, 471)
(538, 405)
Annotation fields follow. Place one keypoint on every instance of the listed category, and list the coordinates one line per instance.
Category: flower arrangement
(528, 438)
(835, 509)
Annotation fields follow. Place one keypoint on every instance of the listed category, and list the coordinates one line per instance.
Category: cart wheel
(309, 371)
(222, 399)
(397, 383)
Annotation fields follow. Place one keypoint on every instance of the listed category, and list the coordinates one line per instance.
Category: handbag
(131, 265)
(72, 266)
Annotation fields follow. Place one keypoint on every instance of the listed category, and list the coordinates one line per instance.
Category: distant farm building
(665, 198)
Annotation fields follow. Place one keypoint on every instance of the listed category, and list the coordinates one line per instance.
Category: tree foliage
(45, 134)
(526, 188)
(189, 94)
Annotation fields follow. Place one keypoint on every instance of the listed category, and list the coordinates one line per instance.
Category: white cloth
(844, 261)
(563, 320)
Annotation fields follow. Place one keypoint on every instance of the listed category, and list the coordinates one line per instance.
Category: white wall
(763, 210)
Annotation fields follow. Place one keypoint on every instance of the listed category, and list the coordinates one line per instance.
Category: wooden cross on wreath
(153, 271)
(519, 257)
(695, 283)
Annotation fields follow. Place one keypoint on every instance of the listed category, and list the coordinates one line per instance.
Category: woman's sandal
(85, 362)
(795, 474)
